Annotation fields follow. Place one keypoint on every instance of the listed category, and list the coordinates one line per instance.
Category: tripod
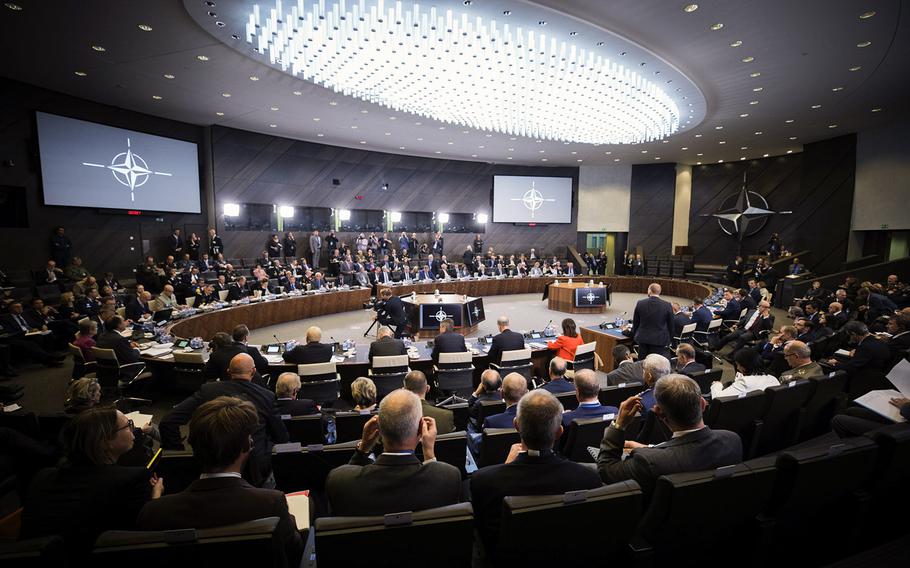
(369, 329)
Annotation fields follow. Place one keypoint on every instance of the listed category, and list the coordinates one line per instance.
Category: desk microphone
(275, 335)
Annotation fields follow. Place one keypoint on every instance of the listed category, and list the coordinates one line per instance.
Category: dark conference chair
(780, 419)
(823, 405)
(306, 430)
(495, 445)
(740, 415)
(582, 434)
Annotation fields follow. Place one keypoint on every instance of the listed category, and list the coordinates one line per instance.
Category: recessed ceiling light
(722, 142)
(644, 151)
(836, 89)
(450, 143)
(876, 109)
(579, 160)
(684, 148)
(393, 118)
(387, 133)
(744, 115)
(13, 7)
(867, 15)
(700, 154)
(363, 141)
(442, 128)
(742, 158)
(333, 103)
(298, 93)
(544, 160)
(720, 161)
(157, 97)
(226, 95)
(789, 151)
(80, 73)
(815, 106)
(689, 8)
(755, 74)
(513, 149)
(544, 151)
(793, 138)
(320, 134)
(573, 34)
(718, 128)
(753, 102)
(254, 78)
(315, 119)
(273, 126)
(758, 89)
(856, 68)
(420, 139)
(508, 157)
(437, 152)
(765, 155)
(353, 127)
(573, 153)
(717, 26)
(789, 121)
(202, 57)
(758, 132)
(607, 153)
(698, 135)
(615, 159)
(401, 147)
(168, 76)
(145, 27)
(99, 49)
(697, 163)
(417, 123)
(748, 59)
(736, 43)
(832, 126)
(364, 111)
(864, 44)
(467, 2)
(273, 108)
(219, 113)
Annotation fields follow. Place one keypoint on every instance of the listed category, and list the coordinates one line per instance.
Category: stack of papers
(158, 350)
(337, 359)
(537, 345)
(273, 358)
(139, 419)
(299, 506)
(880, 401)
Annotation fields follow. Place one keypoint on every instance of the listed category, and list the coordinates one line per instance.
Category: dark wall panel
(106, 242)
(255, 168)
(816, 185)
(651, 209)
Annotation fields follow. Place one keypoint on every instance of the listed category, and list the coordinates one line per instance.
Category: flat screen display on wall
(84, 164)
(525, 199)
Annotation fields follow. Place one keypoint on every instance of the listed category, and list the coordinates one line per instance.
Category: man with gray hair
(654, 367)
(693, 447)
(506, 340)
(416, 382)
(386, 345)
(558, 382)
(799, 356)
(532, 468)
(397, 480)
(627, 369)
(514, 386)
(286, 389)
(587, 389)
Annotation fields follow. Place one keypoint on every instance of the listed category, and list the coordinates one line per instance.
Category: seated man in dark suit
(138, 307)
(238, 290)
(269, 431)
(416, 382)
(223, 348)
(286, 388)
(680, 319)
(558, 382)
(627, 370)
(694, 446)
(899, 329)
(487, 390)
(749, 328)
(514, 386)
(685, 360)
(386, 345)
(701, 315)
(220, 432)
(312, 351)
(448, 340)
(870, 352)
(397, 481)
(732, 310)
(532, 468)
(586, 390)
(506, 340)
(127, 351)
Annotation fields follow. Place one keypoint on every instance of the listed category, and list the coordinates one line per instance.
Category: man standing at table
(652, 323)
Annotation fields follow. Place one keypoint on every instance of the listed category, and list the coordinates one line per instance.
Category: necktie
(22, 323)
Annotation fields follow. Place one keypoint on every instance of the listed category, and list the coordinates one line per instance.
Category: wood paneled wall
(257, 168)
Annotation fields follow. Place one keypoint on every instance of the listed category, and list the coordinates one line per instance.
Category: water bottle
(330, 432)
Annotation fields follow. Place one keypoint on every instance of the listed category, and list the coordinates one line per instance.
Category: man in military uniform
(799, 357)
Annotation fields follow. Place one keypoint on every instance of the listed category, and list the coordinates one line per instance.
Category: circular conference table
(264, 313)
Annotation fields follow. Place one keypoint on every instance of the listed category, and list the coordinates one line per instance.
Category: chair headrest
(316, 369)
(462, 357)
(516, 355)
(382, 362)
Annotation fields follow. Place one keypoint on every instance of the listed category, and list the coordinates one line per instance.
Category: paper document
(275, 359)
(537, 345)
(127, 333)
(843, 353)
(900, 377)
(880, 402)
(299, 506)
(139, 419)
(157, 351)
(337, 359)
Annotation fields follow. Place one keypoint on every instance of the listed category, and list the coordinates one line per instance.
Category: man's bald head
(586, 386)
(400, 414)
(514, 386)
(242, 367)
(490, 380)
(654, 289)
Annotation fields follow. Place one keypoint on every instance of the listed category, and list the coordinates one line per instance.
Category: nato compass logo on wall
(129, 169)
(532, 199)
(744, 214)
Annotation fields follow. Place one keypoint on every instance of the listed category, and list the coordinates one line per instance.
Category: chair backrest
(305, 467)
(306, 430)
(461, 359)
(584, 357)
(583, 433)
(190, 301)
(107, 369)
(349, 425)
(706, 377)
(707, 508)
(41, 551)
(614, 395)
(714, 324)
(180, 469)
(737, 414)
(460, 414)
(568, 400)
(78, 361)
(586, 349)
(781, 416)
(459, 381)
(255, 542)
(452, 449)
(688, 329)
(194, 358)
(390, 361)
(317, 371)
(605, 518)
(323, 392)
(223, 294)
(823, 405)
(495, 445)
(420, 533)
(491, 407)
(516, 355)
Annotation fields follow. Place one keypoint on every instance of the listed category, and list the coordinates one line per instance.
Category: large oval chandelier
(474, 72)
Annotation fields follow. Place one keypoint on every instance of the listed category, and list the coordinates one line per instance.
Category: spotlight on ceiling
(443, 217)
(344, 214)
(396, 216)
(384, 187)
(231, 210)
(286, 212)
(482, 218)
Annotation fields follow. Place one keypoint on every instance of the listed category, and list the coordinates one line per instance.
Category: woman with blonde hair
(363, 391)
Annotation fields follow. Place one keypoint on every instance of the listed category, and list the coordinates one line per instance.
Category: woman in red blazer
(566, 344)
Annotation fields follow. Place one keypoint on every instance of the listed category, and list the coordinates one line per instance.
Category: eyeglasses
(789, 355)
(129, 424)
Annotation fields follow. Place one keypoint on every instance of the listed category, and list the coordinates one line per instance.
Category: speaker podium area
(578, 298)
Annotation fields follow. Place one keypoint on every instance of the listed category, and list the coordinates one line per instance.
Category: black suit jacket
(394, 312)
(309, 353)
(547, 474)
(392, 484)
(691, 368)
(508, 340)
(761, 324)
(222, 501)
(135, 309)
(219, 361)
(79, 503)
(235, 292)
(122, 348)
(680, 320)
(448, 342)
(871, 353)
(653, 321)
(386, 347)
(271, 428)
